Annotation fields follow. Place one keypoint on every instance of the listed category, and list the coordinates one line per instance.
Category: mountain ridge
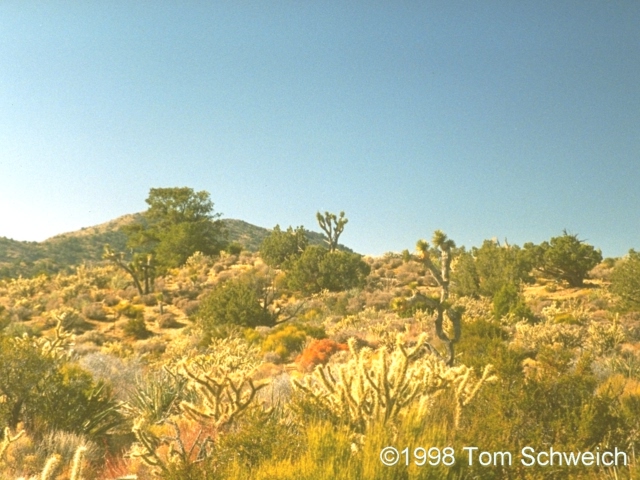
(86, 245)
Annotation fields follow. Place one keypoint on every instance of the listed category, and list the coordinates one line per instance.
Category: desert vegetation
(198, 358)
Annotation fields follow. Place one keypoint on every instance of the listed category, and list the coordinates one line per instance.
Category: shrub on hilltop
(564, 258)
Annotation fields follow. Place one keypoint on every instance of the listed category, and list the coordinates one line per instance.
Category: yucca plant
(155, 396)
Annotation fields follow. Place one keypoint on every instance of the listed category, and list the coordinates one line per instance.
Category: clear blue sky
(483, 119)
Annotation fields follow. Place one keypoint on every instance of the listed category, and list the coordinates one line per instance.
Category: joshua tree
(442, 277)
(140, 267)
(332, 226)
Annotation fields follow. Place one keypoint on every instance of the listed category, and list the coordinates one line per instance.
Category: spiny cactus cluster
(222, 381)
(467, 386)
(8, 440)
(20, 288)
(378, 386)
(58, 347)
(605, 337)
(533, 337)
(221, 399)
(53, 464)
(225, 391)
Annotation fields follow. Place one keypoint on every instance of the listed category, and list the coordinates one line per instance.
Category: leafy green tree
(178, 223)
(279, 247)
(625, 279)
(318, 269)
(564, 258)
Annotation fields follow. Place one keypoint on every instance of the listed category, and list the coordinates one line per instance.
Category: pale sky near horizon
(484, 119)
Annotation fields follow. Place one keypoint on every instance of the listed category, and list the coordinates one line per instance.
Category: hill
(61, 252)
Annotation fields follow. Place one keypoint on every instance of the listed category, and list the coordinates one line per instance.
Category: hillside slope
(86, 245)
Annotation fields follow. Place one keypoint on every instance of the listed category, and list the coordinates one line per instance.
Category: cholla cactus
(222, 400)
(19, 288)
(222, 381)
(380, 385)
(605, 337)
(58, 347)
(381, 325)
(68, 317)
(474, 308)
(467, 387)
(196, 268)
(532, 337)
(147, 446)
(229, 356)
(221, 403)
(162, 451)
(570, 311)
(52, 464)
(8, 440)
(76, 466)
(50, 468)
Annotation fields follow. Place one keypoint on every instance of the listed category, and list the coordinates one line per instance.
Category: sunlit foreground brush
(380, 385)
(54, 465)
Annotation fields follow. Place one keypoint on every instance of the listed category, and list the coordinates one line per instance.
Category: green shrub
(46, 392)
(22, 313)
(111, 300)
(279, 247)
(625, 280)
(285, 341)
(168, 320)
(564, 258)
(149, 300)
(509, 300)
(234, 248)
(129, 310)
(94, 311)
(290, 338)
(23, 372)
(258, 437)
(5, 319)
(235, 302)
(485, 270)
(318, 269)
(89, 407)
(14, 329)
(136, 328)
